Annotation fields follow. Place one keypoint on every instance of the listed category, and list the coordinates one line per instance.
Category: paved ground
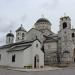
(40, 69)
(66, 71)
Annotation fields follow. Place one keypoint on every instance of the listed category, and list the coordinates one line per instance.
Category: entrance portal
(36, 61)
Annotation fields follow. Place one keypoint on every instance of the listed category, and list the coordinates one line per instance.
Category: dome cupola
(43, 24)
(20, 34)
(10, 34)
(10, 38)
(43, 20)
(21, 29)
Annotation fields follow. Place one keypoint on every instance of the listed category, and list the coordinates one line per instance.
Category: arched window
(17, 33)
(0, 56)
(74, 54)
(72, 34)
(18, 38)
(36, 45)
(64, 25)
(13, 58)
(22, 34)
(9, 39)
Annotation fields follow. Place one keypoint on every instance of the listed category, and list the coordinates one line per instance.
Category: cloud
(50, 4)
(6, 25)
(15, 12)
(4, 29)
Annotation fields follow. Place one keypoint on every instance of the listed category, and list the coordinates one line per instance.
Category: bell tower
(65, 22)
(20, 34)
(65, 38)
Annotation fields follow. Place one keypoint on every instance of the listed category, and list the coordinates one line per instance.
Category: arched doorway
(36, 61)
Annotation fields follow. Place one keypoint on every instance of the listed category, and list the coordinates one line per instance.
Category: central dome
(43, 24)
(43, 20)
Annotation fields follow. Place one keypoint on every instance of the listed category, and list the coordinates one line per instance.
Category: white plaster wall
(4, 57)
(27, 57)
(18, 59)
(20, 36)
(23, 58)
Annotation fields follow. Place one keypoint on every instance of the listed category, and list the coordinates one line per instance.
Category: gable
(31, 35)
(23, 46)
(19, 48)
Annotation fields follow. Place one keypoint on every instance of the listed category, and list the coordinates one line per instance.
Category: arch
(22, 34)
(9, 39)
(36, 61)
(13, 58)
(73, 35)
(64, 25)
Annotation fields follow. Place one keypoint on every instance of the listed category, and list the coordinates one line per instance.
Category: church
(39, 46)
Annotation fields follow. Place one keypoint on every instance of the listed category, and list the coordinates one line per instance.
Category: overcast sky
(27, 12)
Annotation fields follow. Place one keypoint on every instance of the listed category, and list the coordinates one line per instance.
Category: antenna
(64, 14)
(10, 31)
(21, 25)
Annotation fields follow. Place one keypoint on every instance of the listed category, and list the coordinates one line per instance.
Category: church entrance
(74, 55)
(36, 61)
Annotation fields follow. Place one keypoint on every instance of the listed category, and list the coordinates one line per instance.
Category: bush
(41, 66)
(28, 67)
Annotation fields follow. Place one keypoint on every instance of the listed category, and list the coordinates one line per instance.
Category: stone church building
(40, 46)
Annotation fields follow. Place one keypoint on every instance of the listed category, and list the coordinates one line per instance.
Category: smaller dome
(20, 29)
(43, 20)
(10, 35)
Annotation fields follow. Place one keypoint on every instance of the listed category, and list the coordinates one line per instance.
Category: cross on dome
(21, 25)
(42, 16)
(64, 14)
(10, 31)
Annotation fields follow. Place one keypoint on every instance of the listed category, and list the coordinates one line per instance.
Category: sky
(13, 13)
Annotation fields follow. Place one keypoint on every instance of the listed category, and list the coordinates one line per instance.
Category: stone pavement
(40, 69)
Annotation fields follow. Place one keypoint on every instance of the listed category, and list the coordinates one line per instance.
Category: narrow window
(72, 34)
(18, 38)
(0, 56)
(17, 33)
(22, 34)
(36, 45)
(22, 38)
(64, 25)
(9, 39)
(13, 58)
